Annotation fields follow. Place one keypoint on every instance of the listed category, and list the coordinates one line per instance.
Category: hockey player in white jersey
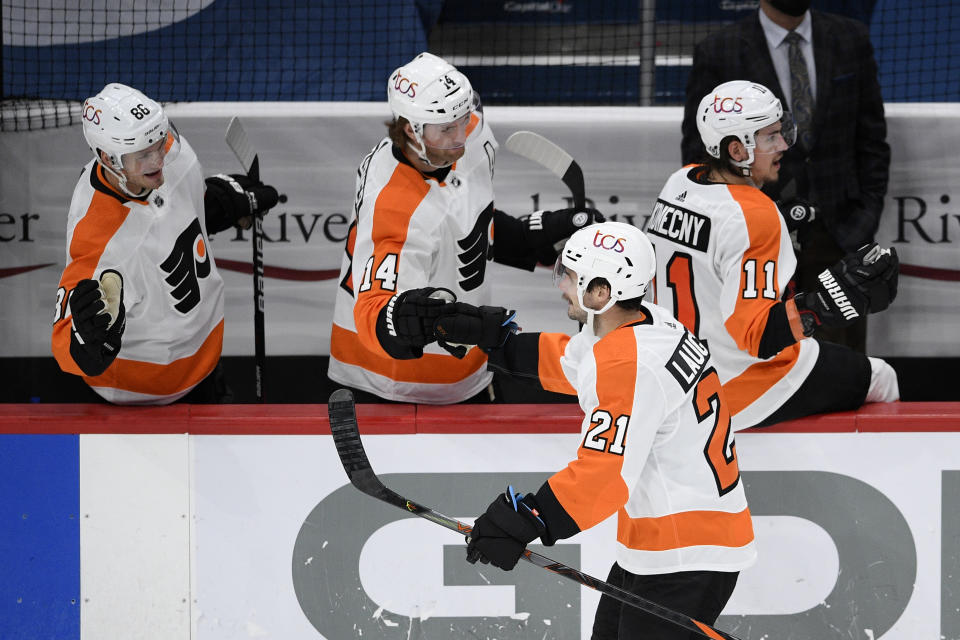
(424, 228)
(656, 449)
(724, 259)
(139, 311)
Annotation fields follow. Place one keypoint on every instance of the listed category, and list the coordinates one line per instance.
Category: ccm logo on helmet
(91, 113)
(726, 105)
(404, 86)
(606, 241)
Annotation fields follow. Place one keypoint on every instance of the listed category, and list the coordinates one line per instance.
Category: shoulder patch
(688, 361)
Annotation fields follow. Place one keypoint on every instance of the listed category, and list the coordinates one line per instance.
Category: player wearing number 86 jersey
(656, 445)
(725, 258)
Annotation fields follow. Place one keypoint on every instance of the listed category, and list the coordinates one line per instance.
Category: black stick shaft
(259, 340)
(346, 437)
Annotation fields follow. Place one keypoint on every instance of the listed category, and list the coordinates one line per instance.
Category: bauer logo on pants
(188, 261)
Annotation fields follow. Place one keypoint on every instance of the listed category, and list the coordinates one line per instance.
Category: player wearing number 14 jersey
(424, 229)
(724, 259)
(656, 447)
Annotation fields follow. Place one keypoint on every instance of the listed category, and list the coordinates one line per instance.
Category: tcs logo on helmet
(91, 113)
(727, 104)
(404, 86)
(608, 242)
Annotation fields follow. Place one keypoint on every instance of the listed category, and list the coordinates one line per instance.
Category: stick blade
(238, 142)
(535, 147)
(346, 436)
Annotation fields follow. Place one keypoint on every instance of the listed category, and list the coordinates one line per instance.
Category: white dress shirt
(779, 51)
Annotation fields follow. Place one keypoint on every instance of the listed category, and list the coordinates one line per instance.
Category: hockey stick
(346, 437)
(237, 141)
(534, 146)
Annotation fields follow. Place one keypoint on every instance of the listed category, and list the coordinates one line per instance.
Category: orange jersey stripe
(552, 378)
(103, 218)
(749, 317)
(433, 368)
(163, 379)
(394, 208)
(591, 488)
(758, 378)
(686, 529)
(474, 121)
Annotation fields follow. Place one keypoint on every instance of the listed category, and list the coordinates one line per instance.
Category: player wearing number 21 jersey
(656, 446)
(724, 259)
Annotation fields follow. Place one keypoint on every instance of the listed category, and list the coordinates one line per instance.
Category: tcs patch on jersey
(680, 225)
(189, 260)
(688, 361)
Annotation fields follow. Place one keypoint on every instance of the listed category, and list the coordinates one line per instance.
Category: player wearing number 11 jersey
(724, 259)
(656, 447)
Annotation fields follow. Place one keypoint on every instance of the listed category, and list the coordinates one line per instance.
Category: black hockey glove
(461, 325)
(544, 229)
(98, 319)
(233, 200)
(796, 212)
(862, 282)
(502, 533)
(405, 324)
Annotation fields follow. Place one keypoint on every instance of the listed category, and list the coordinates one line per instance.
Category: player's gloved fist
(502, 533)
(410, 315)
(875, 272)
(862, 282)
(239, 198)
(98, 319)
(796, 212)
(461, 325)
(548, 227)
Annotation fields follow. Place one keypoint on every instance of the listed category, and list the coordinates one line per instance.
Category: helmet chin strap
(592, 313)
(122, 181)
(421, 152)
(421, 149)
(744, 165)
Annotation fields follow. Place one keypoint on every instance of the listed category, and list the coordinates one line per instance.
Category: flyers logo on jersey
(474, 251)
(404, 86)
(609, 242)
(726, 104)
(188, 262)
(91, 113)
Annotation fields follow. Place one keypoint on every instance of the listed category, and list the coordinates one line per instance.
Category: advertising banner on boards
(310, 152)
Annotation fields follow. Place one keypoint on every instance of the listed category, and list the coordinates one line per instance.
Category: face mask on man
(795, 8)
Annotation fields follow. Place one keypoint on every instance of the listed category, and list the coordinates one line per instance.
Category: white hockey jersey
(724, 258)
(656, 448)
(172, 291)
(411, 231)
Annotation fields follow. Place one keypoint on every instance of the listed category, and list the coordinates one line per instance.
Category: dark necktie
(802, 96)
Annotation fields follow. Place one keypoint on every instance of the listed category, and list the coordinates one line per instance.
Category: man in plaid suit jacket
(844, 171)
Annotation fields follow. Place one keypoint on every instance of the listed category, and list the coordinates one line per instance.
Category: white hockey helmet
(428, 90)
(740, 108)
(121, 120)
(617, 252)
